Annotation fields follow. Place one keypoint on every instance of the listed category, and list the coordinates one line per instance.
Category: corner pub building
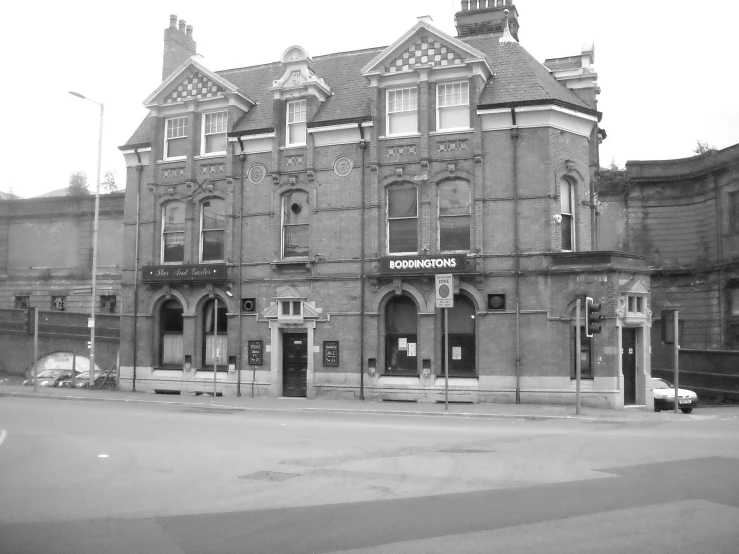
(284, 224)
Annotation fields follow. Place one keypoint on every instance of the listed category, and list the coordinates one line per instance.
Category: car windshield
(48, 373)
(660, 384)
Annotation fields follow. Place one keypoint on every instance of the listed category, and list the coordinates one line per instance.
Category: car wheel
(686, 410)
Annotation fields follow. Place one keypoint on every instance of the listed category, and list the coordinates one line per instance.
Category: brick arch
(446, 175)
(200, 299)
(383, 294)
(160, 296)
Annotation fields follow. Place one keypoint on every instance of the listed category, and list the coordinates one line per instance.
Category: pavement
(328, 405)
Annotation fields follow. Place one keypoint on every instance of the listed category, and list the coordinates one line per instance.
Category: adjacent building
(285, 223)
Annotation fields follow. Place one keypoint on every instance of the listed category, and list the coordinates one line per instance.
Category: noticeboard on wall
(331, 353)
(256, 352)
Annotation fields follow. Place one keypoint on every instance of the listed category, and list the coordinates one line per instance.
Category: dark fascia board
(247, 132)
(135, 146)
(342, 121)
(542, 102)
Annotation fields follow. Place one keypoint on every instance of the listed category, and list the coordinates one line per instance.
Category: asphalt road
(100, 477)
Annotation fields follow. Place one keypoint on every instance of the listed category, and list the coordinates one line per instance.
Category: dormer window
(214, 133)
(402, 111)
(175, 142)
(291, 308)
(635, 305)
(453, 106)
(296, 127)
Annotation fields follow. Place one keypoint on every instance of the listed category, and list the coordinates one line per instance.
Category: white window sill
(393, 137)
(402, 253)
(463, 130)
(212, 262)
(172, 160)
(211, 156)
(293, 146)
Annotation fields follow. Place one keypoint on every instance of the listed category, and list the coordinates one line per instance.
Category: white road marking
(3, 434)
(102, 455)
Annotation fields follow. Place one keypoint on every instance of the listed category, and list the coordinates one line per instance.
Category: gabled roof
(518, 79)
(191, 80)
(422, 44)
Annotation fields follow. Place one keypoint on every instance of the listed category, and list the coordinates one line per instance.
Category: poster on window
(411, 349)
(402, 344)
(456, 352)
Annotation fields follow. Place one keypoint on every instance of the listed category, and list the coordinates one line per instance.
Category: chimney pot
(465, 5)
(173, 21)
(189, 30)
(182, 25)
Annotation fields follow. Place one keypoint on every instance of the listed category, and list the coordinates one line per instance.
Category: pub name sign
(442, 263)
(191, 272)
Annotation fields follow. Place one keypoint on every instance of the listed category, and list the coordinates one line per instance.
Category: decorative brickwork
(195, 86)
(402, 150)
(452, 145)
(425, 51)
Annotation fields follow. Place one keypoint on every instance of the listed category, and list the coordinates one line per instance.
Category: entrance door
(294, 364)
(628, 364)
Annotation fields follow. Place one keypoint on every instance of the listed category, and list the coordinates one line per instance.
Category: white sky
(664, 67)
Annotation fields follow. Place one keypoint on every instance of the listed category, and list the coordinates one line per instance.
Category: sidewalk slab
(246, 403)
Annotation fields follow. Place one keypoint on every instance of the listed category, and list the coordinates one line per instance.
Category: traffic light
(592, 317)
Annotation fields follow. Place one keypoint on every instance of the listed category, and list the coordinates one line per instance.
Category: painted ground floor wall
(316, 321)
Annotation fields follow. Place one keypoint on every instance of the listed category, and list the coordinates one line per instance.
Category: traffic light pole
(446, 359)
(676, 354)
(578, 358)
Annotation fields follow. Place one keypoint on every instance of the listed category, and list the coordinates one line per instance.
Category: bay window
(175, 142)
(402, 111)
(402, 219)
(452, 106)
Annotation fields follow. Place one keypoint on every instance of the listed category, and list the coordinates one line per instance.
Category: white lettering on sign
(444, 287)
(423, 264)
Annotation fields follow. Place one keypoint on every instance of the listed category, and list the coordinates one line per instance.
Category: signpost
(676, 354)
(445, 299)
(578, 357)
(256, 357)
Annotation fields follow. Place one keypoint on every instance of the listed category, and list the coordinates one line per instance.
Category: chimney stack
(486, 17)
(178, 45)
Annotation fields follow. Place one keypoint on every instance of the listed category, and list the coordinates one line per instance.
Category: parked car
(664, 397)
(82, 381)
(50, 377)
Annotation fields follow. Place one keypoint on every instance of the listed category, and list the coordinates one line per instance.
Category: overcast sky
(666, 68)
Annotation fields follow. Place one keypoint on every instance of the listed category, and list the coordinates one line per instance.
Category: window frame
(388, 218)
(413, 98)
(439, 216)
(185, 130)
(283, 224)
(204, 133)
(163, 232)
(466, 92)
(389, 336)
(162, 322)
(570, 216)
(203, 231)
(304, 111)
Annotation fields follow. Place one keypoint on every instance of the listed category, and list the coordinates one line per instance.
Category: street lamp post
(91, 323)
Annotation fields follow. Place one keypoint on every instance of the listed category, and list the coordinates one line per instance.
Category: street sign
(444, 290)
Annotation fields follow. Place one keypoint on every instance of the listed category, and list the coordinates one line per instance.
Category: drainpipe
(516, 247)
(242, 159)
(140, 170)
(362, 147)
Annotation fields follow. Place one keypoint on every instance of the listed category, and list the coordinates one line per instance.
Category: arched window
(402, 219)
(567, 211)
(171, 350)
(454, 216)
(215, 335)
(173, 232)
(295, 224)
(212, 230)
(461, 337)
(401, 335)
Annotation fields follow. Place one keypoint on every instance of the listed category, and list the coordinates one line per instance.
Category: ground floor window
(215, 335)
(401, 336)
(461, 337)
(172, 346)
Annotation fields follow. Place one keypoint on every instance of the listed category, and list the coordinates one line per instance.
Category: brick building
(284, 224)
(683, 217)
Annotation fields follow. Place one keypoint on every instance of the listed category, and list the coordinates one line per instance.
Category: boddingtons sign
(423, 265)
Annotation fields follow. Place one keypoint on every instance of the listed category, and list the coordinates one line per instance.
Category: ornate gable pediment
(425, 46)
(634, 286)
(298, 79)
(193, 81)
(426, 49)
(289, 293)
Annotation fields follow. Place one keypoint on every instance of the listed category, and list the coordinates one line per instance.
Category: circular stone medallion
(256, 173)
(343, 166)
